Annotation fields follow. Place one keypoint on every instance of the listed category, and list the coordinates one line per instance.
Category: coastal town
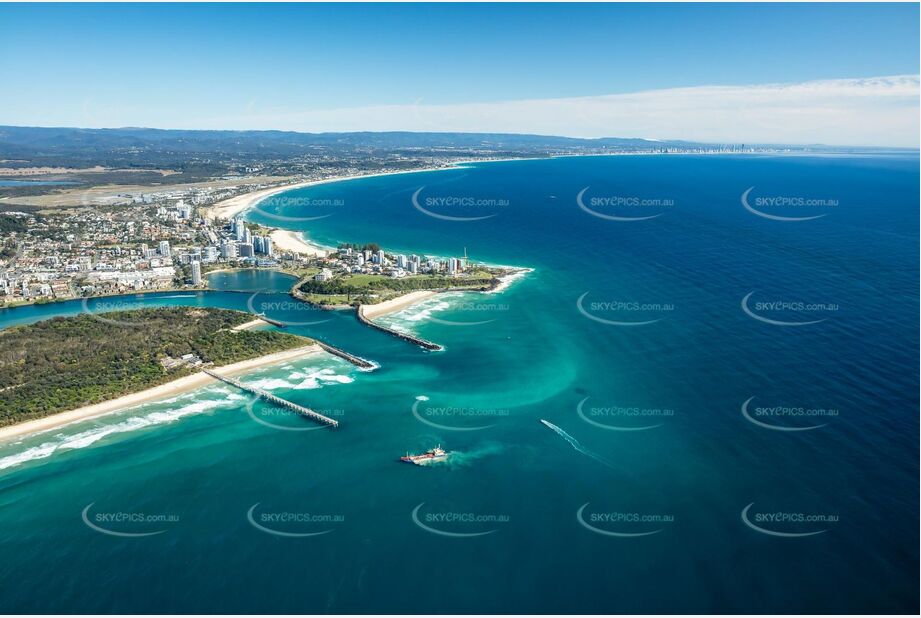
(170, 240)
(159, 242)
(164, 213)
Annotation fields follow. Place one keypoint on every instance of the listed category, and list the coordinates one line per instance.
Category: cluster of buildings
(139, 247)
(348, 260)
(148, 240)
(242, 243)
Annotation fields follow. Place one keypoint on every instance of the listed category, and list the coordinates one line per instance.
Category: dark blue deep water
(733, 392)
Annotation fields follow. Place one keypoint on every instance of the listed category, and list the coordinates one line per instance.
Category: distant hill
(216, 151)
(32, 142)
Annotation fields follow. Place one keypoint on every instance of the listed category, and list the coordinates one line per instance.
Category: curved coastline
(228, 209)
(295, 241)
(161, 391)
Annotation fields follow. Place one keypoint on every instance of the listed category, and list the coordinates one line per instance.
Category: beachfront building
(262, 244)
(210, 254)
(228, 250)
(196, 273)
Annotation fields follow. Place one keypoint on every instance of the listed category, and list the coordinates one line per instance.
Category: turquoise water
(630, 337)
(250, 281)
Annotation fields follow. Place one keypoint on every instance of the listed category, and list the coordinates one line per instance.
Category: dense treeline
(9, 224)
(65, 363)
(406, 284)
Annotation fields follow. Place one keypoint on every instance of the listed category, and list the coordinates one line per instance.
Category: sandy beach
(250, 324)
(402, 302)
(229, 208)
(395, 304)
(163, 391)
(233, 206)
(286, 240)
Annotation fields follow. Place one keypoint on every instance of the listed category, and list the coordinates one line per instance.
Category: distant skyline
(841, 74)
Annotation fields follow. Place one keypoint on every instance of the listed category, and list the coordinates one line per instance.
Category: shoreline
(251, 324)
(229, 208)
(411, 298)
(172, 388)
(396, 304)
(289, 240)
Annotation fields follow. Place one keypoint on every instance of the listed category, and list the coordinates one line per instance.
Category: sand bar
(163, 391)
(250, 324)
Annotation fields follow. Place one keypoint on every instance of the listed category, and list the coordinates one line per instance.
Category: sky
(780, 73)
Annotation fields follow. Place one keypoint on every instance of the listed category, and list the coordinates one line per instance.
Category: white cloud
(878, 111)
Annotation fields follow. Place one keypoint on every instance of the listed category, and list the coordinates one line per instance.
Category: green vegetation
(369, 289)
(10, 223)
(65, 363)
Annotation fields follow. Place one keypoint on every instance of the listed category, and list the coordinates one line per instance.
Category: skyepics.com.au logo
(788, 208)
(786, 418)
(286, 311)
(456, 418)
(623, 524)
(127, 524)
(787, 524)
(458, 208)
(473, 314)
(620, 312)
(307, 208)
(98, 308)
(787, 311)
(623, 418)
(616, 207)
(457, 524)
(276, 416)
(294, 524)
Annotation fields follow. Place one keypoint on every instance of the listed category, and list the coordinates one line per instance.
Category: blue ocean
(723, 350)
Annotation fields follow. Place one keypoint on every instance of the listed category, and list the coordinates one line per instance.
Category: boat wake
(576, 444)
(463, 459)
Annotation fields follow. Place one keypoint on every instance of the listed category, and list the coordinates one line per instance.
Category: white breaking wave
(508, 280)
(86, 438)
(301, 380)
(403, 320)
(270, 384)
(166, 411)
(320, 378)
